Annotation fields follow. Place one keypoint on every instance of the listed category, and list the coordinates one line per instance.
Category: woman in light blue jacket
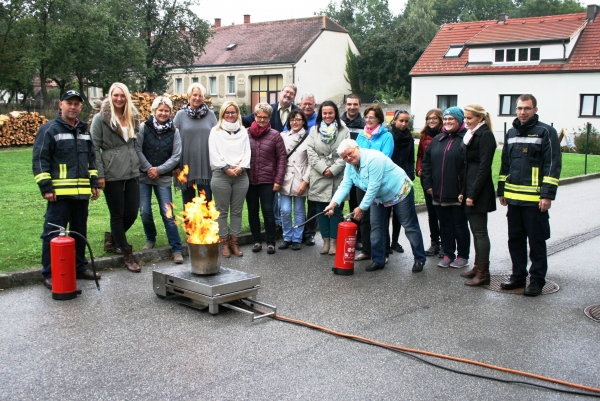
(385, 185)
(374, 136)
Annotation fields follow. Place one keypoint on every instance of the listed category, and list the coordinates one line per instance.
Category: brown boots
(109, 244)
(471, 273)
(482, 275)
(130, 262)
(234, 246)
(225, 247)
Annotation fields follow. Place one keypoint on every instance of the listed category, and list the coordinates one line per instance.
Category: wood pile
(143, 102)
(19, 128)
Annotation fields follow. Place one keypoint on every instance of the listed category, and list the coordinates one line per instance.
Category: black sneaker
(418, 267)
(434, 249)
(296, 246)
(285, 245)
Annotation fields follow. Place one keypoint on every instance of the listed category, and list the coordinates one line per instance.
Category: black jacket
(354, 126)
(478, 184)
(276, 122)
(404, 151)
(443, 166)
(531, 163)
(64, 160)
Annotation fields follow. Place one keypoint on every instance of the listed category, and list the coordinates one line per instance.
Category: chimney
(246, 18)
(502, 18)
(217, 22)
(592, 11)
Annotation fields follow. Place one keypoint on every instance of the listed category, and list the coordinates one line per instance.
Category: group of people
(283, 156)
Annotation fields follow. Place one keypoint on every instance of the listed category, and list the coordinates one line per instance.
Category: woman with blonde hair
(158, 146)
(114, 131)
(229, 149)
(194, 121)
(478, 197)
(432, 127)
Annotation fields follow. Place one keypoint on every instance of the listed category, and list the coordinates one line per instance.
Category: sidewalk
(125, 343)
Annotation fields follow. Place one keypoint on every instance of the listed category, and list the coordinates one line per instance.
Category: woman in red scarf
(267, 169)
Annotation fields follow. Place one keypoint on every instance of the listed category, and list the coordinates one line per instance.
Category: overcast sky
(232, 11)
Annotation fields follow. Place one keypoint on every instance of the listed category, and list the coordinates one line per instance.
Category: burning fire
(199, 217)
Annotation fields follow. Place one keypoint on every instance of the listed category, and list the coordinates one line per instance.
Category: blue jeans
(164, 198)
(407, 216)
(291, 234)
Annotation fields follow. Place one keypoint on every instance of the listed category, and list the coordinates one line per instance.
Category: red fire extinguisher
(62, 261)
(63, 264)
(345, 248)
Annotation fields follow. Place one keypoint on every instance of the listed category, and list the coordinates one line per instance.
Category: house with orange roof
(555, 58)
(251, 62)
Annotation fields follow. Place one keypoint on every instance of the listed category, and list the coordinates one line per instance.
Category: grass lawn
(23, 216)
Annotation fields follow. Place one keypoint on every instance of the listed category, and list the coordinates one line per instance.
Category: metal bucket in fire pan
(205, 258)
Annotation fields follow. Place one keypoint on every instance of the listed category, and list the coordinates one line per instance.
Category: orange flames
(199, 217)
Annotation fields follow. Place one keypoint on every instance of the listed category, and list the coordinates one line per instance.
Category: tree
(352, 75)
(173, 35)
(537, 8)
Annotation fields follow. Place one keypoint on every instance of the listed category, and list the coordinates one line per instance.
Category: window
(445, 101)
(454, 51)
(195, 80)
(212, 85)
(499, 56)
(590, 106)
(231, 85)
(523, 54)
(510, 54)
(265, 88)
(508, 105)
(178, 85)
(517, 55)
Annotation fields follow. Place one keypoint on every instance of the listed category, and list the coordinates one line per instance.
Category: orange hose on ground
(442, 356)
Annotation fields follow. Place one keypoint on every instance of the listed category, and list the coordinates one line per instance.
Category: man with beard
(281, 110)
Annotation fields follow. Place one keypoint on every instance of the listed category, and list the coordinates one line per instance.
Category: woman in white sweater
(229, 150)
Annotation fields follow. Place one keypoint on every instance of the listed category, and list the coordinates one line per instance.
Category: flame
(199, 221)
(182, 177)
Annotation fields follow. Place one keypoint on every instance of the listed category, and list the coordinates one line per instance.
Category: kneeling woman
(158, 146)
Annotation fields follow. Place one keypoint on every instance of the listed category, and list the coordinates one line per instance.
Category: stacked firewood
(143, 102)
(19, 128)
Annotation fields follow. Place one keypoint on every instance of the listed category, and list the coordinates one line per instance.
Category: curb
(32, 276)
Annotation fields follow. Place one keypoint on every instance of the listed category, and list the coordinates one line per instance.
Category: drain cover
(593, 312)
(497, 279)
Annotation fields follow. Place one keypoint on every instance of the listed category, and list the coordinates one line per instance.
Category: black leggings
(481, 239)
(123, 200)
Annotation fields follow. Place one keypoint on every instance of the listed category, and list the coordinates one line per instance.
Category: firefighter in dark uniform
(531, 163)
(64, 166)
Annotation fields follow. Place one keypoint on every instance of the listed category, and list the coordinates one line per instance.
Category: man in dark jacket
(528, 180)
(280, 110)
(64, 166)
(356, 124)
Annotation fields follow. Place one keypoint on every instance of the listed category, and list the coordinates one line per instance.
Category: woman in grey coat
(113, 131)
(327, 169)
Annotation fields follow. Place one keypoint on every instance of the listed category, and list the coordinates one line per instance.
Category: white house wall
(558, 96)
(322, 68)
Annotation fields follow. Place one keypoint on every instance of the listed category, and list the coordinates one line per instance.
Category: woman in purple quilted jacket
(267, 170)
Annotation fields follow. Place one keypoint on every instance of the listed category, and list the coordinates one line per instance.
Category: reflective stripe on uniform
(519, 139)
(85, 137)
(535, 171)
(62, 137)
(73, 191)
(521, 188)
(62, 171)
(71, 182)
(502, 177)
(42, 176)
(93, 173)
(550, 180)
(521, 197)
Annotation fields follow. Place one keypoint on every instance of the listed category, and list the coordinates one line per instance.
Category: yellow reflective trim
(520, 188)
(66, 181)
(535, 171)
(93, 173)
(502, 177)
(42, 176)
(73, 191)
(550, 180)
(522, 197)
